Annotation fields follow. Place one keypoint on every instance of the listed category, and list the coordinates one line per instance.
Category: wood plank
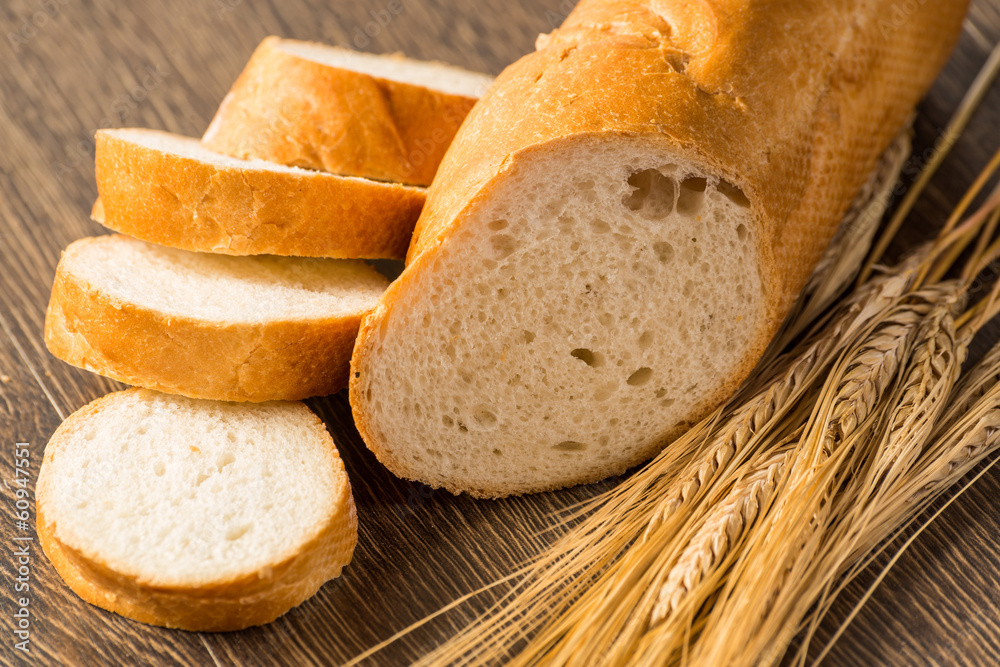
(167, 66)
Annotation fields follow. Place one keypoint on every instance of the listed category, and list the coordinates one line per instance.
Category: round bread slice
(194, 514)
(170, 190)
(322, 107)
(208, 326)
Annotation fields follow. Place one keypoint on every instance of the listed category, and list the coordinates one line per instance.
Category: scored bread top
(170, 190)
(321, 107)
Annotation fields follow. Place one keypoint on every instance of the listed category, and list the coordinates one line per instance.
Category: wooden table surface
(70, 66)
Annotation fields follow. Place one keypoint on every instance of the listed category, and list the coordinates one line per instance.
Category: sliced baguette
(620, 227)
(169, 190)
(322, 107)
(194, 514)
(208, 326)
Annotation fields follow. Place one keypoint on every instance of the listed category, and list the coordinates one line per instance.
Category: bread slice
(169, 190)
(194, 514)
(322, 107)
(620, 227)
(208, 326)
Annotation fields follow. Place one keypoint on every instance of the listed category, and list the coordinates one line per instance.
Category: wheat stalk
(934, 369)
(768, 605)
(722, 529)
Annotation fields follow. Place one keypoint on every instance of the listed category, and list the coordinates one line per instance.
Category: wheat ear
(722, 529)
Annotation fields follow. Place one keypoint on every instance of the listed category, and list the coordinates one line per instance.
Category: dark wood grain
(93, 63)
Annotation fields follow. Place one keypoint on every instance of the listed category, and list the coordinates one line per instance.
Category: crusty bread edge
(407, 127)
(428, 249)
(253, 598)
(228, 361)
(185, 203)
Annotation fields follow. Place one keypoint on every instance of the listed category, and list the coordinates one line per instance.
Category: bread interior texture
(604, 296)
(179, 492)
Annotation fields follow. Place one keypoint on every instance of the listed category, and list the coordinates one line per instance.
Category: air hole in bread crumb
(733, 193)
(225, 458)
(447, 421)
(605, 392)
(383, 327)
(497, 225)
(234, 533)
(664, 251)
(570, 446)
(742, 233)
(503, 245)
(692, 194)
(484, 417)
(159, 468)
(645, 340)
(640, 377)
(652, 195)
(589, 357)
(528, 336)
(600, 227)
(497, 452)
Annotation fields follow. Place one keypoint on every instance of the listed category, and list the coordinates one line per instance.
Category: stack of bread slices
(205, 498)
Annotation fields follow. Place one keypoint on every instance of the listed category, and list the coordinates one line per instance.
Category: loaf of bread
(169, 190)
(620, 227)
(321, 107)
(194, 514)
(208, 326)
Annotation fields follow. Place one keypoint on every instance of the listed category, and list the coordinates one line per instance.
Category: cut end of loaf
(605, 295)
